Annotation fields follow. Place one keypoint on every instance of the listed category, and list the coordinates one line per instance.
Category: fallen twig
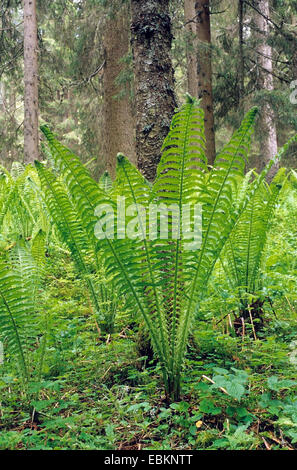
(210, 380)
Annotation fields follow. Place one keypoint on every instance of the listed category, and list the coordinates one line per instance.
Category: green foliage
(237, 393)
(73, 216)
(243, 257)
(234, 382)
(166, 298)
(22, 212)
(243, 254)
(84, 373)
(105, 182)
(19, 321)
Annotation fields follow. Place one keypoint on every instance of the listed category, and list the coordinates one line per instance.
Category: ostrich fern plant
(162, 278)
(244, 252)
(24, 229)
(245, 246)
(69, 219)
(20, 323)
(22, 213)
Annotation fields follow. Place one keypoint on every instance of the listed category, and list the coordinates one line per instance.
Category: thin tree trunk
(2, 97)
(265, 82)
(294, 65)
(241, 57)
(31, 152)
(204, 72)
(154, 81)
(119, 126)
(15, 125)
(191, 47)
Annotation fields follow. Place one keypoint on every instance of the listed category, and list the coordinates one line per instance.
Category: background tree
(204, 73)
(119, 126)
(71, 79)
(31, 152)
(241, 73)
(154, 82)
(264, 58)
(11, 79)
(191, 47)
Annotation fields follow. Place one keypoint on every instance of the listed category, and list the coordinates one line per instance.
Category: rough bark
(118, 126)
(154, 81)
(204, 72)
(31, 152)
(191, 47)
(265, 82)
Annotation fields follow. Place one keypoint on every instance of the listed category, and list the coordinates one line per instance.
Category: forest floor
(97, 393)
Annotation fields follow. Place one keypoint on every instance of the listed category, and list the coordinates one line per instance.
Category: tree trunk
(119, 126)
(154, 81)
(31, 152)
(204, 72)
(241, 58)
(191, 47)
(265, 82)
(2, 98)
(14, 123)
(294, 65)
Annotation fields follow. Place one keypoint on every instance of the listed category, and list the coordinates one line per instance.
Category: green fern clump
(20, 323)
(22, 213)
(72, 224)
(24, 232)
(162, 279)
(244, 251)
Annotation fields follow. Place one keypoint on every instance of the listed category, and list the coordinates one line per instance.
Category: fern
(244, 251)
(65, 218)
(19, 284)
(218, 221)
(85, 193)
(162, 279)
(21, 211)
(105, 182)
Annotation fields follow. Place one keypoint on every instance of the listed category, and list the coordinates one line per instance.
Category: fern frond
(217, 222)
(18, 321)
(105, 182)
(132, 186)
(183, 164)
(38, 248)
(180, 179)
(85, 193)
(243, 252)
(65, 218)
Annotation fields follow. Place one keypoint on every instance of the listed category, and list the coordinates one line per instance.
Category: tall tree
(118, 125)
(31, 152)
(241, 55)
(191, 47)
(265, 83)
(154, 81)
(204, 72)
(2, 97)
